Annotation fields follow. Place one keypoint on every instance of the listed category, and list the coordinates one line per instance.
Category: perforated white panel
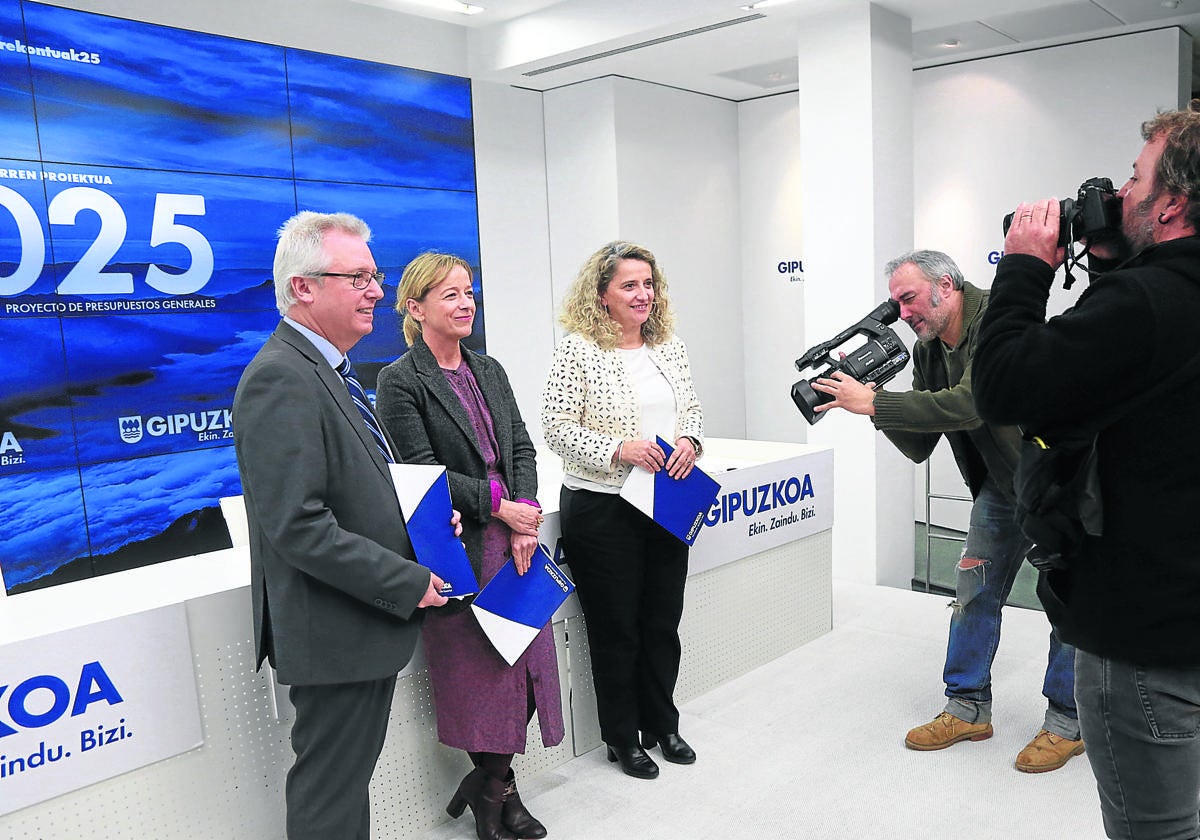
(741, 615)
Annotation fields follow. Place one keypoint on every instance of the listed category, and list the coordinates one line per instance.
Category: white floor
(811, 746)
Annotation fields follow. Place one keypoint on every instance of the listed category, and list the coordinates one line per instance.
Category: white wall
(514, 240)
(856, 197)
(772, 300)
(991, 133)
(657, 166)
(677, 192)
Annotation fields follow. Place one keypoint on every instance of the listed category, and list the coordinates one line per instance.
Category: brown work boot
(944, 730)
(1046, 752)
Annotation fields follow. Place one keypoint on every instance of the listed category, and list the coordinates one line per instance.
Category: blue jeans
(991, 558)
(1142, 729)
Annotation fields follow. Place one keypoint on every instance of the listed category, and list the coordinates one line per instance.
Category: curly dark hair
(1178, 169)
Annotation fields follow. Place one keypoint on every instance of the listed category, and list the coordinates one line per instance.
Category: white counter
(740, 612)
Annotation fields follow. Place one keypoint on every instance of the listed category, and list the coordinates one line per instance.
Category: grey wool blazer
(430, 426)
(334, 587)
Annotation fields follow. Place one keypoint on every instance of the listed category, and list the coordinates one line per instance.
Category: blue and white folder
(679, 505)
(424, 494)
(512, 609)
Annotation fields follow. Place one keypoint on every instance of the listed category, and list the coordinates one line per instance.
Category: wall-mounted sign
(87, 704)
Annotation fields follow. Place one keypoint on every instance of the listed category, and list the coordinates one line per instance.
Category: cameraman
(1129, 599)
(945, 312)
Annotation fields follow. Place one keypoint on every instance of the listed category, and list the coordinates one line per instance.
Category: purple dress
(482, 702)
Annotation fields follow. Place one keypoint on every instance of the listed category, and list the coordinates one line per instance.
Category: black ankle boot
(674, 748)
(516, 816)
(485, 795)
(634, 762)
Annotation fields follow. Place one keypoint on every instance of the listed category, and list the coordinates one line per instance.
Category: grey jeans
(1142, 730)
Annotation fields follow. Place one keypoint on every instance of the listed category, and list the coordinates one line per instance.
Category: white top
(656, 400)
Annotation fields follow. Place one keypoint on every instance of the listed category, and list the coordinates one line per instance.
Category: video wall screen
(144, 172)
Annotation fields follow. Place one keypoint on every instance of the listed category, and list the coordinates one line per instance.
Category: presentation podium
(759, 586)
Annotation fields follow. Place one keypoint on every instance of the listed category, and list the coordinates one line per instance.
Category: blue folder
(679, 505)
(424, 494)
(512, 609)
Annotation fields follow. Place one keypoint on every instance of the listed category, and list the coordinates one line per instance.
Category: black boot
(515, 816)
(634, 762)
(674, 748)
(485, 795)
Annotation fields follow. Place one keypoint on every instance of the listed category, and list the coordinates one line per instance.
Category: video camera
(1094, 214)
(878, 360)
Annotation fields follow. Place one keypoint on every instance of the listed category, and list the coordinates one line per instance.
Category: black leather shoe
(674, 748)
(634, 762)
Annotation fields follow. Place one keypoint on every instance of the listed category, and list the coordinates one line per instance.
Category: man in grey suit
(336, 594)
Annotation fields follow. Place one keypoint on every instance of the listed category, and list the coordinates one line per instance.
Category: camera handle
(873, 325)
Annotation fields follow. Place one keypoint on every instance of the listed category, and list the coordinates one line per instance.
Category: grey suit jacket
(335, 590)
(430, 426)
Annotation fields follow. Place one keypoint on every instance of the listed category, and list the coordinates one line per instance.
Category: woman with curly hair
(619, 379)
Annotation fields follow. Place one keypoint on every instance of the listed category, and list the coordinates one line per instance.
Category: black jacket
(1134, 595)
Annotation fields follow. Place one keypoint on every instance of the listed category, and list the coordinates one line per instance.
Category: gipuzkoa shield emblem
(131, 429)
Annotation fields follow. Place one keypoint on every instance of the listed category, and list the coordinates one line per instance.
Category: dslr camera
(878, 360)
(1094, 214)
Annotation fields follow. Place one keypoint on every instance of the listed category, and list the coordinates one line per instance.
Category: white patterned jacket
(589, 405)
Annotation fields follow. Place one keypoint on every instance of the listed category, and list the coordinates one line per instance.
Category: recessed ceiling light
(1170, 4)
(451, 6)
(761, 4)
(951, 42)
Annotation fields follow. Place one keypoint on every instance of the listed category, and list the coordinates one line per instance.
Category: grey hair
(301, 249)
(933, 264)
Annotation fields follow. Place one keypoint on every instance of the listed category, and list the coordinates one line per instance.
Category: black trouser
(337, 737)
(629, 574)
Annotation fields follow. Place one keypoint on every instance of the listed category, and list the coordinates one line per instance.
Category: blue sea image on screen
(237, 228)
(158, 98)
(44, 524)
(23, 198)
(36, 429)
(18, 137)
(379, 124)
(131, 501)
(186, 140)
(176, 384)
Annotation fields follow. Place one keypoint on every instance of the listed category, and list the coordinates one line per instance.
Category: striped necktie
(364, 407)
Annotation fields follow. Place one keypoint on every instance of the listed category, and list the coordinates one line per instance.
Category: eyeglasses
(359, 279)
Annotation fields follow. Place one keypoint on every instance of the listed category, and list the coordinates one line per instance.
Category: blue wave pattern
(114, 428)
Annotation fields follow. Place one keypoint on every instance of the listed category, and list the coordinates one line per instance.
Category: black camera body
(878, 360)
(1094, 214)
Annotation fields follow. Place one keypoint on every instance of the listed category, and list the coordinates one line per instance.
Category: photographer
(1129, 599)
(945, 313)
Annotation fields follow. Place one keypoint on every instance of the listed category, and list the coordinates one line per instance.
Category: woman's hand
(682, 459)
(520, 517)
(523, 547)
(646, 454)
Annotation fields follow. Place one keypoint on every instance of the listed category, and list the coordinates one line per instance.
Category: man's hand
(1034, 231)
(456, 522)
(848, 393)
(433, 595)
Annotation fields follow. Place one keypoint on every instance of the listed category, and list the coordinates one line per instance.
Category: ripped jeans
(992, 556)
